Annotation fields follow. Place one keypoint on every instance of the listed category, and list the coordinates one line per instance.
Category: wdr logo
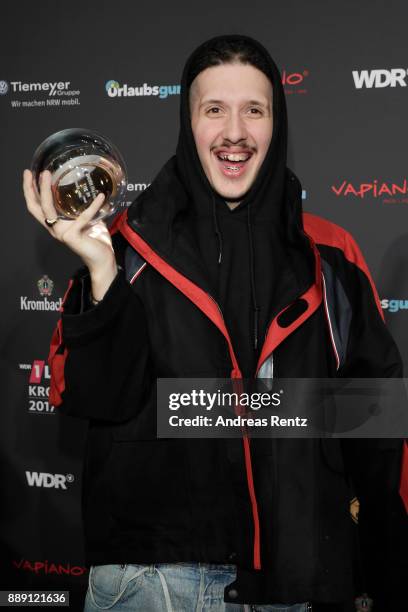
(48, 481)
(379, 78)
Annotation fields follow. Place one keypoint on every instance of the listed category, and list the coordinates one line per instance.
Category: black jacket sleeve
(371, 353)
(106, 351)
(374, 465)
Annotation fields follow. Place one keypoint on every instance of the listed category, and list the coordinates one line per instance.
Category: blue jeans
(167, 587)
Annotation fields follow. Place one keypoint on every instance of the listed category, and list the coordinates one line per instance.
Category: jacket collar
(290, 314)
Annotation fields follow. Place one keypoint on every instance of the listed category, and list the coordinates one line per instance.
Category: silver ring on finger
(51, 222)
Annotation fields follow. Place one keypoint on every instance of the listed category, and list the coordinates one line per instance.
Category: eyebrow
(255, 102)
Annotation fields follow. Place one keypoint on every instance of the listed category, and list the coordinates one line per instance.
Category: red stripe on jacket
(56, 360)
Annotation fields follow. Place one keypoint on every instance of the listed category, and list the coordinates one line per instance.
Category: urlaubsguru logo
(394, 305)
(115, 90)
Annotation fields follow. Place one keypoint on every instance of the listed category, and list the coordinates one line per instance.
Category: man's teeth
(234, 157)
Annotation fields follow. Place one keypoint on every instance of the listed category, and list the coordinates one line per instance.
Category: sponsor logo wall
(347, 133)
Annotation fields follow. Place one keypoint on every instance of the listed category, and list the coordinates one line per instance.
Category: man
(214, 272)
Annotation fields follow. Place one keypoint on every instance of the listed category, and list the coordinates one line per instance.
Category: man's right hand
(91, 242)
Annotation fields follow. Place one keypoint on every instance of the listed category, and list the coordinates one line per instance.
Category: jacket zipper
(247, 450)
(248, 469)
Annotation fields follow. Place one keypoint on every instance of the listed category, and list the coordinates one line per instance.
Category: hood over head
(267, 190)
(253, 259)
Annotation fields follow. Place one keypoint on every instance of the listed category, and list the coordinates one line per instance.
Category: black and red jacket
(278, 506)
(278, 509)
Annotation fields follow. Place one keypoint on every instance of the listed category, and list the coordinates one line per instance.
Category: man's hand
(91, 242)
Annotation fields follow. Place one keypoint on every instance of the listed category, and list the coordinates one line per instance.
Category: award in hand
(83, 164)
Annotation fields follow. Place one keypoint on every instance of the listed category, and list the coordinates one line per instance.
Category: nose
(234, 128)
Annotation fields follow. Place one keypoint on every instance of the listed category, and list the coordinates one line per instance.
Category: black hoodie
(255, 258)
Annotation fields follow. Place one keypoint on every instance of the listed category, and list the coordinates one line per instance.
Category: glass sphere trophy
(83, 164)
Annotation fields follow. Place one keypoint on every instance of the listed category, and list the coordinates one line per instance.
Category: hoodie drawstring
(217, 229)
(252, 275)
(251, 263)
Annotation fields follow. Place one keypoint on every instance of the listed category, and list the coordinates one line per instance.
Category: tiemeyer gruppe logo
(40, 94)
(389, 192)
(380, 78)
(45, 288)
(133, 188)
(115, 90)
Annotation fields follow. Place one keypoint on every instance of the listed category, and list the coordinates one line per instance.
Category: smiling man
(215, 272)
(231, 119)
